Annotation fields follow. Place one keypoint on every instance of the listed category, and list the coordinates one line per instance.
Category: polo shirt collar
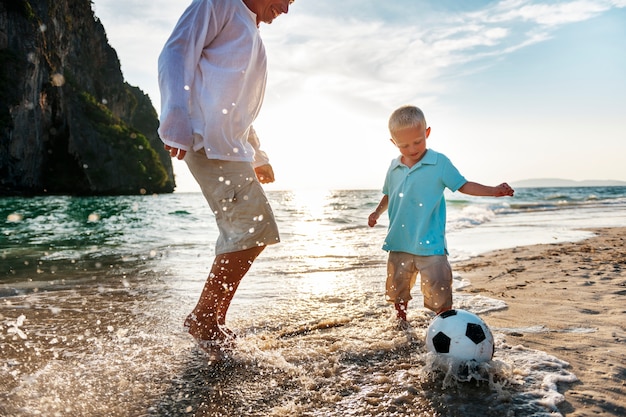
(429, 159)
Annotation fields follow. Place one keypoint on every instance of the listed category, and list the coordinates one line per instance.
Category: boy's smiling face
(411, 141)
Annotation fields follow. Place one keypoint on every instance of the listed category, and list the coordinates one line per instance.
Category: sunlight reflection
(309, 222)
(311, 203)
(315, 244)
(320, 283)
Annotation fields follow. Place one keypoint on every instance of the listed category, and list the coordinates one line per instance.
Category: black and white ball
(461, 335)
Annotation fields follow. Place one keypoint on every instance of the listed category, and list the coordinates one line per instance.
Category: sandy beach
(575, 294)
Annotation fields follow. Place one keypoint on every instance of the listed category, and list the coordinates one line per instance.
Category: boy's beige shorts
(435, 274)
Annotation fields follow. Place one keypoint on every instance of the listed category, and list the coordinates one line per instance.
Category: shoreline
(575, 292)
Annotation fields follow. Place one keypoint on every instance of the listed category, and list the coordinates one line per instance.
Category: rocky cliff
(69, 123)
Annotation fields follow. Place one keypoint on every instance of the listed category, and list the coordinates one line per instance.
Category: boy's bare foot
(401, 310)
(443, 310)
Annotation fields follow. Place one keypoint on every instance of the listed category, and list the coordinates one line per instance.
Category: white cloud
(372, 60)
(543, 13)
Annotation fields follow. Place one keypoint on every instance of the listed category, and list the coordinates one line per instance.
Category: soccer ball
(460, 335)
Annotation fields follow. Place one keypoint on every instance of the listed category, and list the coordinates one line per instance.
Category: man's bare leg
(206, 320)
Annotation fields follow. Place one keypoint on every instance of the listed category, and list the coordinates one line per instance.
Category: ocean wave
(470, 216)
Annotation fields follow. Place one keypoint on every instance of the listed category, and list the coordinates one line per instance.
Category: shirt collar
(429, 159)
(250, 13)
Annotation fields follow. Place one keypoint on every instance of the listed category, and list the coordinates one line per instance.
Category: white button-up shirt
(212, 76)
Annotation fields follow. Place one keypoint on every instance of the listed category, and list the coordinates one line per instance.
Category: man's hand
(175, 152)
(264, 173)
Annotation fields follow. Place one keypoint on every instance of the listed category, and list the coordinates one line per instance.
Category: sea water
(93, 292)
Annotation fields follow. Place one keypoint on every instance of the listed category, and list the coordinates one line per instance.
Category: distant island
(558, 182)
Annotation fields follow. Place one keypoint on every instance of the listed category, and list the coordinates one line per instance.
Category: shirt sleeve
(177, 65)
(452, 178)
(260, 157)
(392, 165)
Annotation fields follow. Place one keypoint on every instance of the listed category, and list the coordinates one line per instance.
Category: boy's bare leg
(401, 309)
(210, 313)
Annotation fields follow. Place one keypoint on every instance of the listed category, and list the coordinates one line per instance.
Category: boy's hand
(504, 190)
(372, 219)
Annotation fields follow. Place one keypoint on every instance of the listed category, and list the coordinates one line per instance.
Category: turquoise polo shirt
(417, 207)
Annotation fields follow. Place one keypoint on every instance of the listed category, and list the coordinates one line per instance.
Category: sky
(512, 89)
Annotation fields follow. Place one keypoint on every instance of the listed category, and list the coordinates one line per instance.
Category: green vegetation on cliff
(69, 123)
(137, 154)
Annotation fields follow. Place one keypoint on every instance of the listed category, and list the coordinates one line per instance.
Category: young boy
(413, 193)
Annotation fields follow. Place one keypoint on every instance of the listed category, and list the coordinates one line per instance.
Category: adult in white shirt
(212, 77)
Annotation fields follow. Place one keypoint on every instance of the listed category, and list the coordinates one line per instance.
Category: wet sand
(110, 345)
(569, 300)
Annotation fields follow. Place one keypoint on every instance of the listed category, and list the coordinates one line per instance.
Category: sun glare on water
(310, 211)
(311, 202)
(312, 243)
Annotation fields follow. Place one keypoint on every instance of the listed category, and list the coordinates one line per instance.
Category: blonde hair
(406, 116)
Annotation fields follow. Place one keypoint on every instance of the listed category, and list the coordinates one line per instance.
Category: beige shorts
(436, 279)
(243, 214)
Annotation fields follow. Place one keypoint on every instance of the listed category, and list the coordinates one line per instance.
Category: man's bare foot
(231, 335)
(211, 339)
(209, 333)
(214, 350)
(191, 323)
